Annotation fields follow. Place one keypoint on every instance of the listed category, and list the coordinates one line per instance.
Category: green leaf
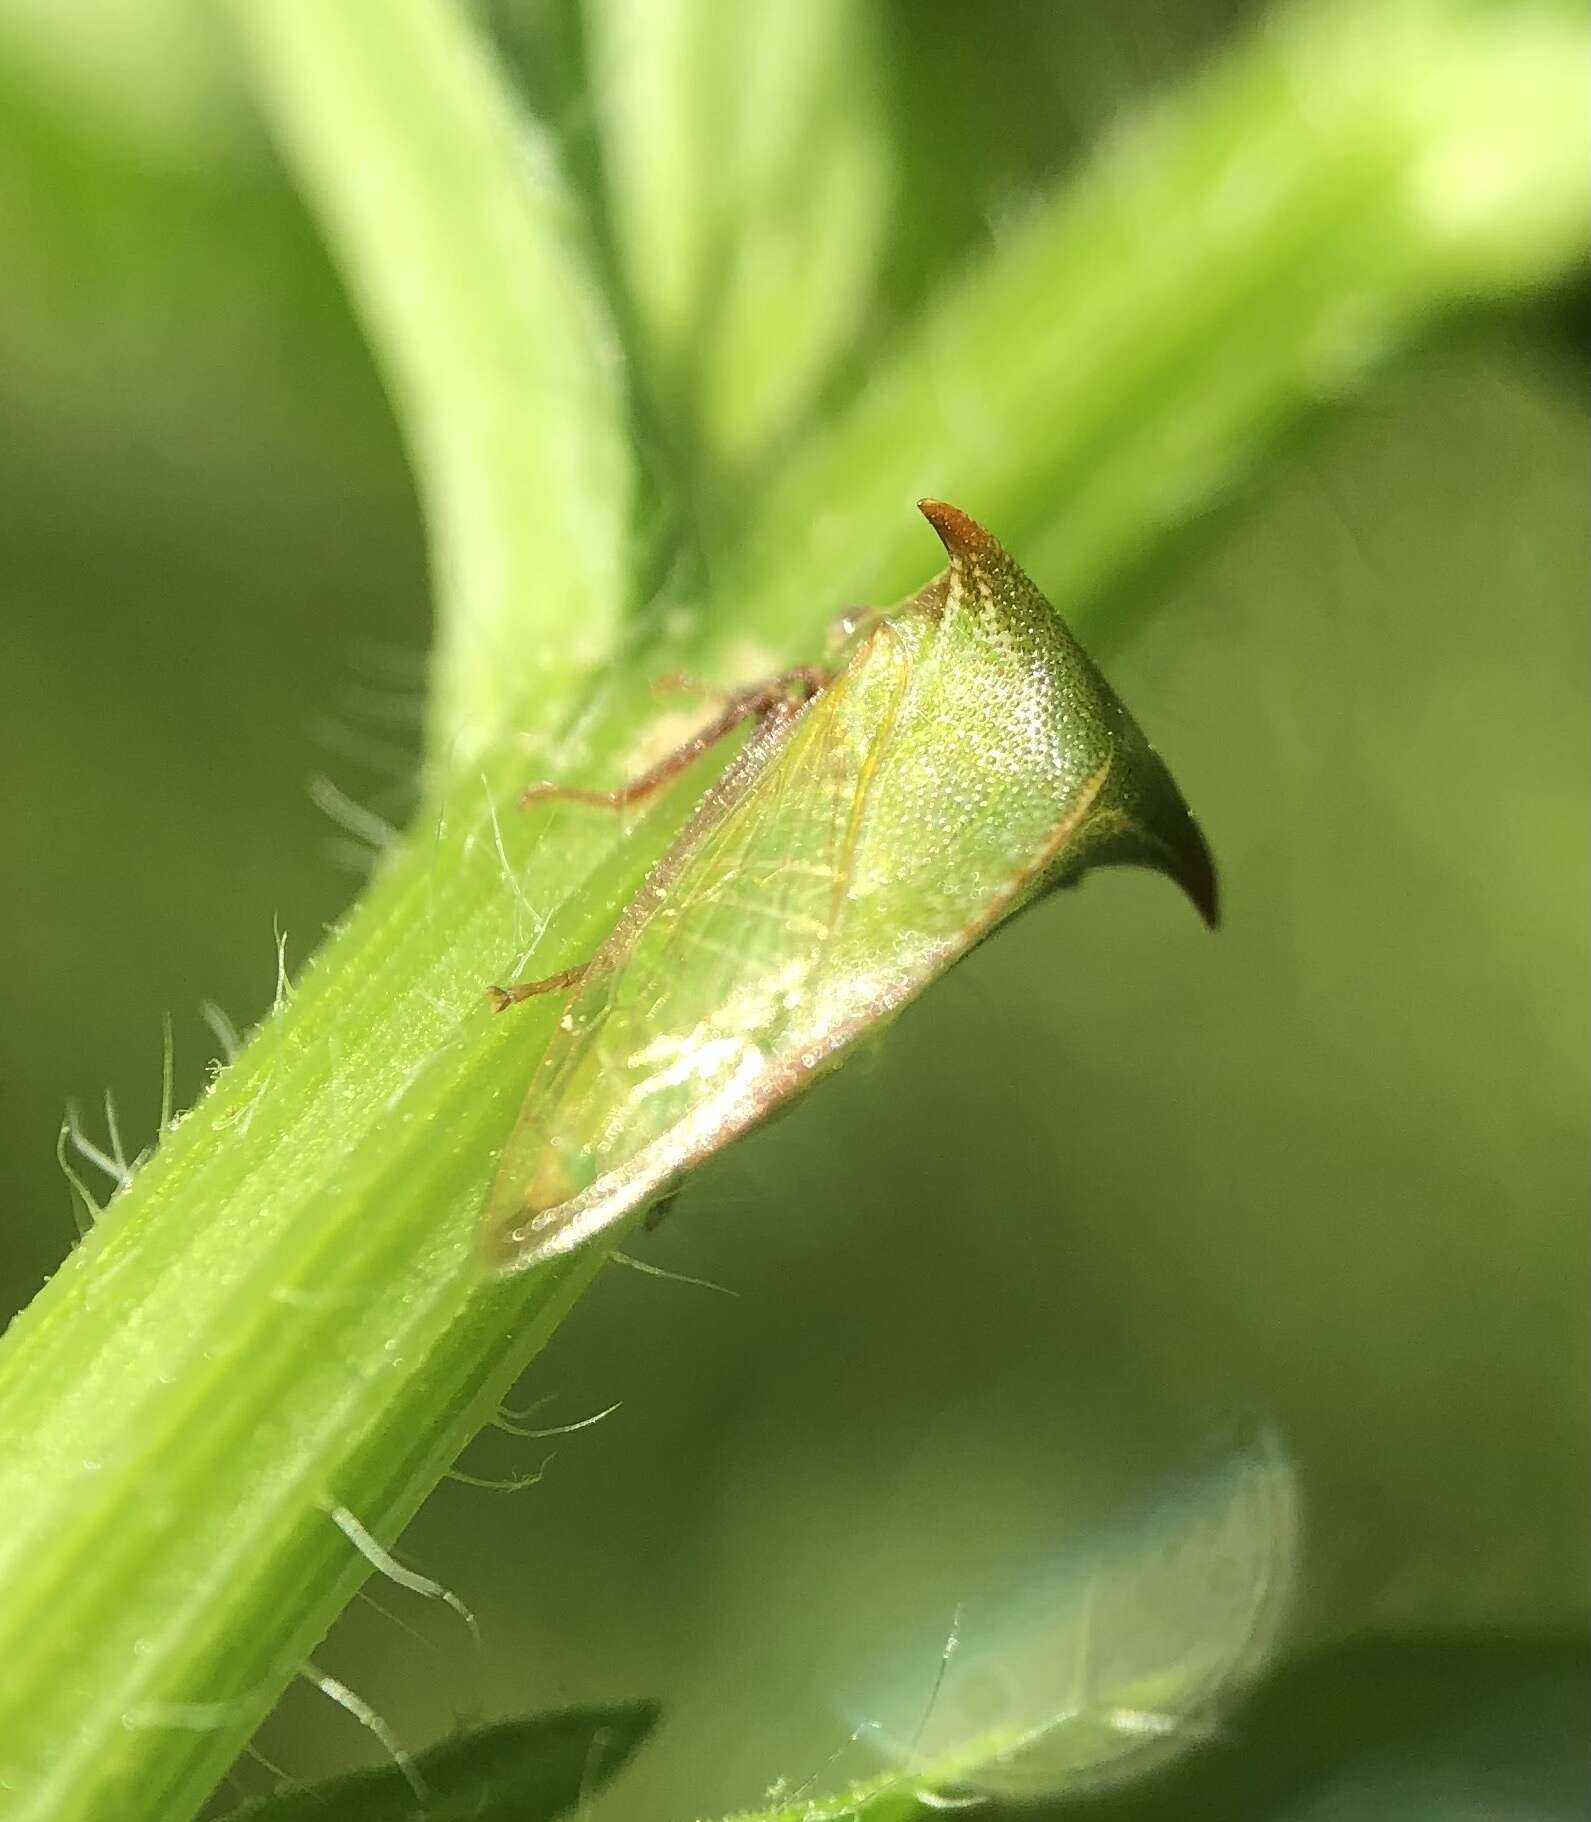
(516, 1771)
(1121, 1663)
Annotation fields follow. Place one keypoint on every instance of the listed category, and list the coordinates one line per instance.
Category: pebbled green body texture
(965, 758)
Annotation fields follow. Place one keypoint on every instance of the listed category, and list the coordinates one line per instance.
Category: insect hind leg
(754, 704)
(771, 702)
(504, 997)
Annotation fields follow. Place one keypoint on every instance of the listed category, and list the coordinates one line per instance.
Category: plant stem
(467, 260)
(1252, 249)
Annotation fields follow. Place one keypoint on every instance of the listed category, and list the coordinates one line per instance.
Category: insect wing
(862, 855)
(666, 1049)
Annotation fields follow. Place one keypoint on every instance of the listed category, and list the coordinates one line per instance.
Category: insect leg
(502, 997)
(754, 704)
(772, 703)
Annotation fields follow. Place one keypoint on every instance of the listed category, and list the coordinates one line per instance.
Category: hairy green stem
(465, 255)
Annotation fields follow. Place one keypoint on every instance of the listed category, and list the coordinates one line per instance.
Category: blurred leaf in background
(1110, 1191)
(517, 1771)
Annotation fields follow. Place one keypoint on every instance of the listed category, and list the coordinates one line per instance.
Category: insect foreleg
(502, 997)
(754, 704)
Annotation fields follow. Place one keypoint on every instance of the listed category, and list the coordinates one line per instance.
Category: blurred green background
(1327, 1172)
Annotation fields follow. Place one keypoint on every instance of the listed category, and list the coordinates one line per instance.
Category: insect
(964, 758)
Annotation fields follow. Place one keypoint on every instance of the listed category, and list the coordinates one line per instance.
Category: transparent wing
(691, 994)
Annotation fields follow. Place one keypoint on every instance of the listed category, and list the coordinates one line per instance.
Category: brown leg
(745, 705)
(778, 696)
(502, 997)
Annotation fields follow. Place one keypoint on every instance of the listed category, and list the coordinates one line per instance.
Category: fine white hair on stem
(951, 1645)
(168, 1074)
(909, 1753)
(222, 1029)
(657, 1271)
(352, 857)
(385, 1563)
(114, 1167)
(366, 1716)
(367, 1599)
(503, 1416)
(85, 1210)
(284, 1778)
(538, 923)
(284, 987)
(817, 1772)
(512, 1483)
(114, 1132)
(372, 832)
